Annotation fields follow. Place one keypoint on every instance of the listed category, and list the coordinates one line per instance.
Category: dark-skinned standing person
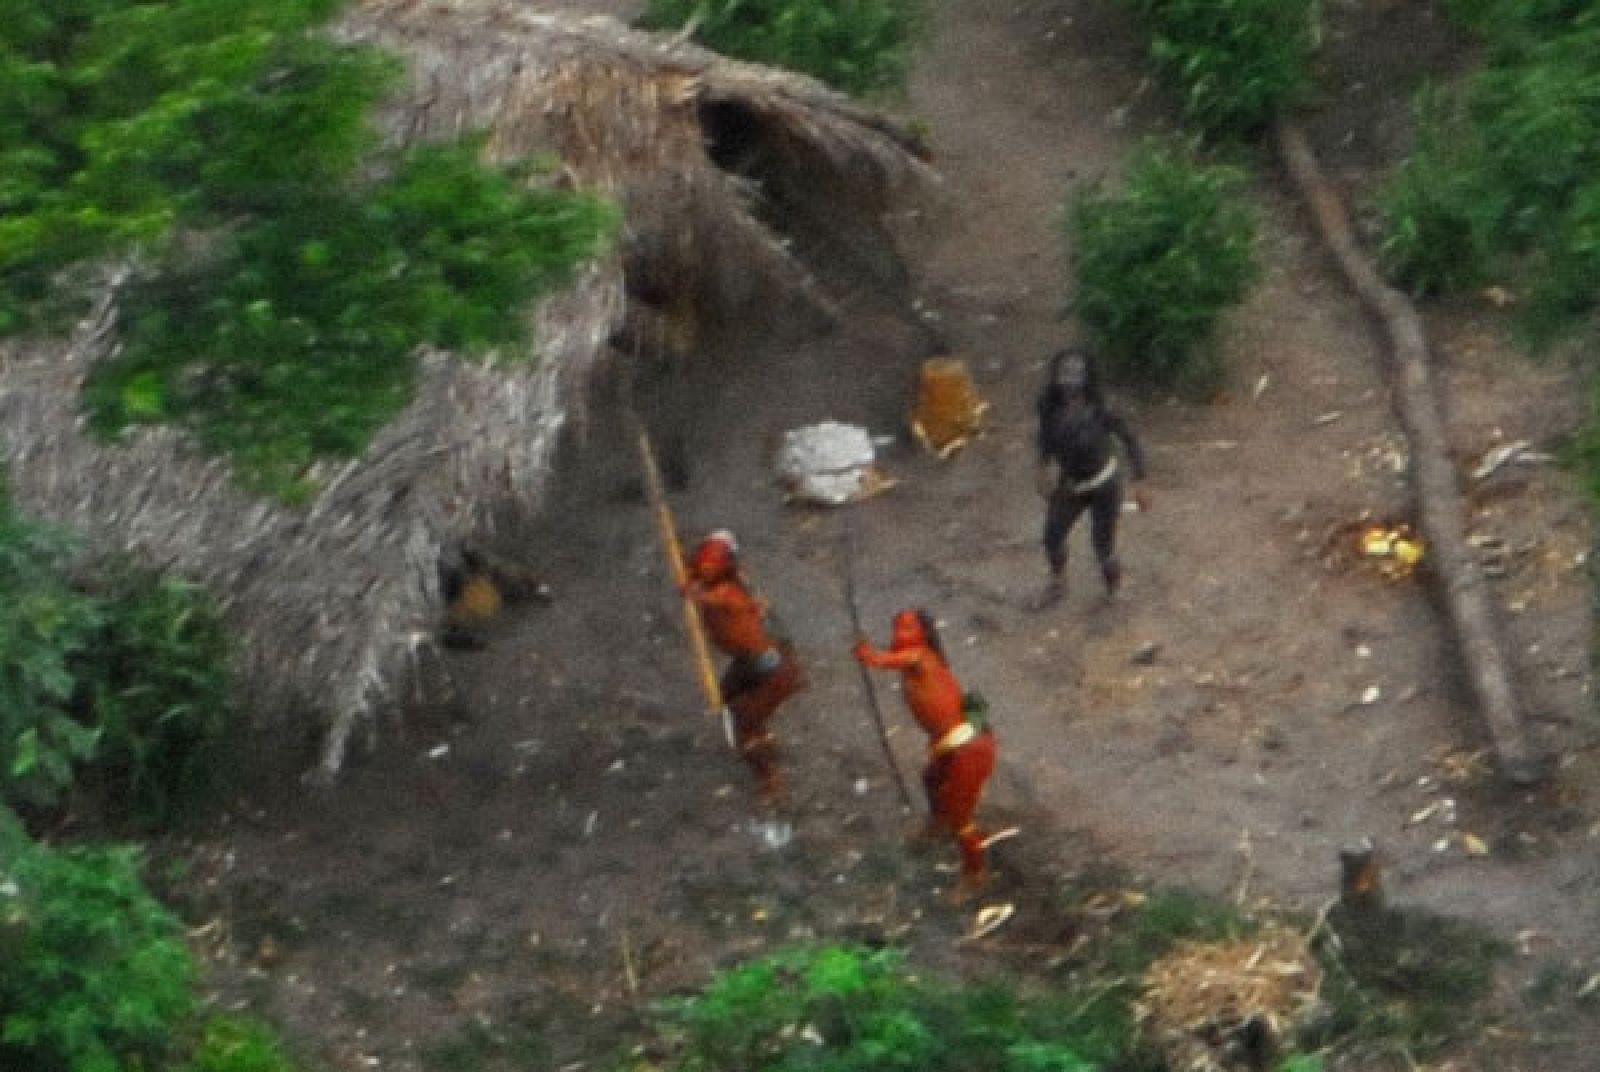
(1080, 468)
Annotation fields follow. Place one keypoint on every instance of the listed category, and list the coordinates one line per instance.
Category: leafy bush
(116, 122)
(1503, 180)
(1236, 62)
(1158, 262)
(46, 628)
(155, 689)
(97, 978)
(235, 1044)
(854, 45)
(848, 1010)
(289, 275)
(129, 681)
(1437, 221)
(294, 339)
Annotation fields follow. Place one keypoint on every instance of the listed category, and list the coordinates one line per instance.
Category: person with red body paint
(762, 672)
(961, 755)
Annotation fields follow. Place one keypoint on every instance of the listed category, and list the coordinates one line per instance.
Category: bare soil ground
(552, 833)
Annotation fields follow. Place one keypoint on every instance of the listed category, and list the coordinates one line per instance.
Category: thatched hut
(329, 604)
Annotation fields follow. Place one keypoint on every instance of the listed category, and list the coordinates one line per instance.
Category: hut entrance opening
(818, 211)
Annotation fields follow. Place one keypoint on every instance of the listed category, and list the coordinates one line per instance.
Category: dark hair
(1086, 377)
(930, 629)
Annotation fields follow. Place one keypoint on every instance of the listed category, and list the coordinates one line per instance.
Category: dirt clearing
(564, 835)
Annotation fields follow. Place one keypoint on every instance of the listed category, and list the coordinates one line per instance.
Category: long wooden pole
(680, 574)
(1439, 504)
(849, 554)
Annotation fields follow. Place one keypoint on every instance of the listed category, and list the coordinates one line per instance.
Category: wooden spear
(848, 541)
(680, 574)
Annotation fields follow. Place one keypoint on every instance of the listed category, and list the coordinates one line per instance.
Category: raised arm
(721, 595)
(868, 655)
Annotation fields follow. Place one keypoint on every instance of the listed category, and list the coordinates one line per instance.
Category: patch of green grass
(839, 1009)
(238, 1044)
(1403, 981)
(1405, 986)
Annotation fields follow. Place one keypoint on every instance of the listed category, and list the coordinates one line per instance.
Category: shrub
(295, 338)
(1235, 62)
(155, 689)
(1437, 220)
(839, 1009)
(1158, 262)
(288, 275)
(119, 118)
(46, 628)
(128, 680)
(857, 46)
(1502, 182)
(97, 978)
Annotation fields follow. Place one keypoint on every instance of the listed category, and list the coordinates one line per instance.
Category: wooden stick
(680, 575)
(848, 533)
(1441, 511)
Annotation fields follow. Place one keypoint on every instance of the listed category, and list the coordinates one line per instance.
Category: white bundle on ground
(829, 463)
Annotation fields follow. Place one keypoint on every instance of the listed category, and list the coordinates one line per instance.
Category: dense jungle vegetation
(286, 268)
(283, 269)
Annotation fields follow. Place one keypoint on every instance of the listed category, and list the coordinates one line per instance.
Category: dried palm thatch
(1223, 1005)
(330, 604)
(705, 154)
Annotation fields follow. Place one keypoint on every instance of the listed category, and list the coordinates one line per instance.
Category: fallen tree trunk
(1440, 513)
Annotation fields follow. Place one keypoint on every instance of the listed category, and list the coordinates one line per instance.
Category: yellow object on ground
(479, 601)
(949, 411)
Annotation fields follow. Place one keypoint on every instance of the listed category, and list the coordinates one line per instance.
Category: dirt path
(566, 835)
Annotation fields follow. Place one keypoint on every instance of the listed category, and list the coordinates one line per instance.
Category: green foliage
(1236, 62)
(46, 629)
(155, 689)
(96, 978)
(236, 1044)
(1437, 218)
(1406, 986)
(1504, 178)
(857, 46)
(289, 273)
(1519, 22)
(1166, 917)
(112, 112)
(294, 339)
(1159, 262)
(847, 1010)
(128, 680)
(1402, 983)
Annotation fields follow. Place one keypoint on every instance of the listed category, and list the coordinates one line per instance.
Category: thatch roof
(329, 604)
(701, 150)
